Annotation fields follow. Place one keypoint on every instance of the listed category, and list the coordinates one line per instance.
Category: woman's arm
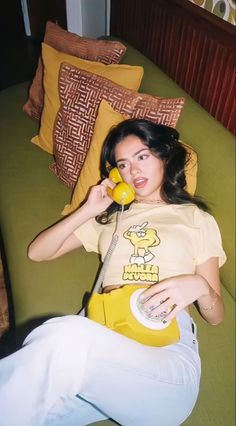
(178, 292)
(59, 238)
(211, 305)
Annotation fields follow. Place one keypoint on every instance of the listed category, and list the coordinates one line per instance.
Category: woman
(76, 371)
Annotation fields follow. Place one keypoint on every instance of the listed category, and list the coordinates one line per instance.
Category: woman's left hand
(171, 295)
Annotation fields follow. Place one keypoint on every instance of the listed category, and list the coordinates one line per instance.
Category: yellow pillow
(191, 169)
(125, 75)
(90, 173)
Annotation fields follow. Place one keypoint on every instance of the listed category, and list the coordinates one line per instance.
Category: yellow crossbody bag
(118, 310)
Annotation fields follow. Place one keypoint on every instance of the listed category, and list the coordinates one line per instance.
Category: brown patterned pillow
(105, 51)
(80, 94)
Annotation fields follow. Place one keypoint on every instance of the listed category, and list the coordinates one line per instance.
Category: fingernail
(150, 308)
(143, 298)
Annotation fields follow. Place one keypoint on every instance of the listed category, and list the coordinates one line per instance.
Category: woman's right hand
(98, 199)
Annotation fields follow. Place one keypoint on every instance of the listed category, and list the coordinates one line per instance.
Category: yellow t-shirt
(155, 242)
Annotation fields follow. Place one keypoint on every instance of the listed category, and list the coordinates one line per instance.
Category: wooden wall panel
(194, 47)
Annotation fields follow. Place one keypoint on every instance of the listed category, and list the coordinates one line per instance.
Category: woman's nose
(134, 169)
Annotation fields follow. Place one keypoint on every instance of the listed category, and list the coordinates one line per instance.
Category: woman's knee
(58, 328)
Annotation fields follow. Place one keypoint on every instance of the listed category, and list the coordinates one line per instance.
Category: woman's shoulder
(207, 238)
(193, 213)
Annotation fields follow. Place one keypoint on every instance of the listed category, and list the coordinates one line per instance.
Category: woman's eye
(121, 166)
(143, 156)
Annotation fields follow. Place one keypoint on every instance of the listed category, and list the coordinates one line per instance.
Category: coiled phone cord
(111, 248)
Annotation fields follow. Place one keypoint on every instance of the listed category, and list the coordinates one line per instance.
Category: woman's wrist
(85, 212)
(212, 304)
(209, 297)
(89, 210)
(205, 286)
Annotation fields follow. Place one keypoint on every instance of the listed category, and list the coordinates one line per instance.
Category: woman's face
(139, 167)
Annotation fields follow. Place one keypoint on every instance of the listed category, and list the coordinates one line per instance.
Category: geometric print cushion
(104, 51)
(80, 95)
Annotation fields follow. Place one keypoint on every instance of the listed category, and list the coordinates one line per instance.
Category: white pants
(72, 371)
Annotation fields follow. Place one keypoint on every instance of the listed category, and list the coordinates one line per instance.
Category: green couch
(31, 198)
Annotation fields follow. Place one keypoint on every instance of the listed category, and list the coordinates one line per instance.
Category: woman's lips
(139, 182)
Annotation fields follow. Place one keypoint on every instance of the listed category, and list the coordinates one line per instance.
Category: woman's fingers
(156, 308)
(156, 289)
(108, 183)
(161, 301)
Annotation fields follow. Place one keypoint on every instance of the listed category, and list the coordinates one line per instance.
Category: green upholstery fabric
(31, 198)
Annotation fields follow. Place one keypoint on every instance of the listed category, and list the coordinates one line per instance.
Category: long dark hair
(163, 142)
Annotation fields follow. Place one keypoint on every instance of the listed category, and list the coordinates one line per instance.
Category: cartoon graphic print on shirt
(139, 268)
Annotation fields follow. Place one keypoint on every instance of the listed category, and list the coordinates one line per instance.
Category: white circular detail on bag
(152, 323)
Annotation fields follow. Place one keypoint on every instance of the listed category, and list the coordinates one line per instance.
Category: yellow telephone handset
(122, 193)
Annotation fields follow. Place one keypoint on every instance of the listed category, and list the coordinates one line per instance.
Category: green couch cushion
(32, 199)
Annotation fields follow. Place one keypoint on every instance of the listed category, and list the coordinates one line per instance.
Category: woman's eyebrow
(133, 155)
